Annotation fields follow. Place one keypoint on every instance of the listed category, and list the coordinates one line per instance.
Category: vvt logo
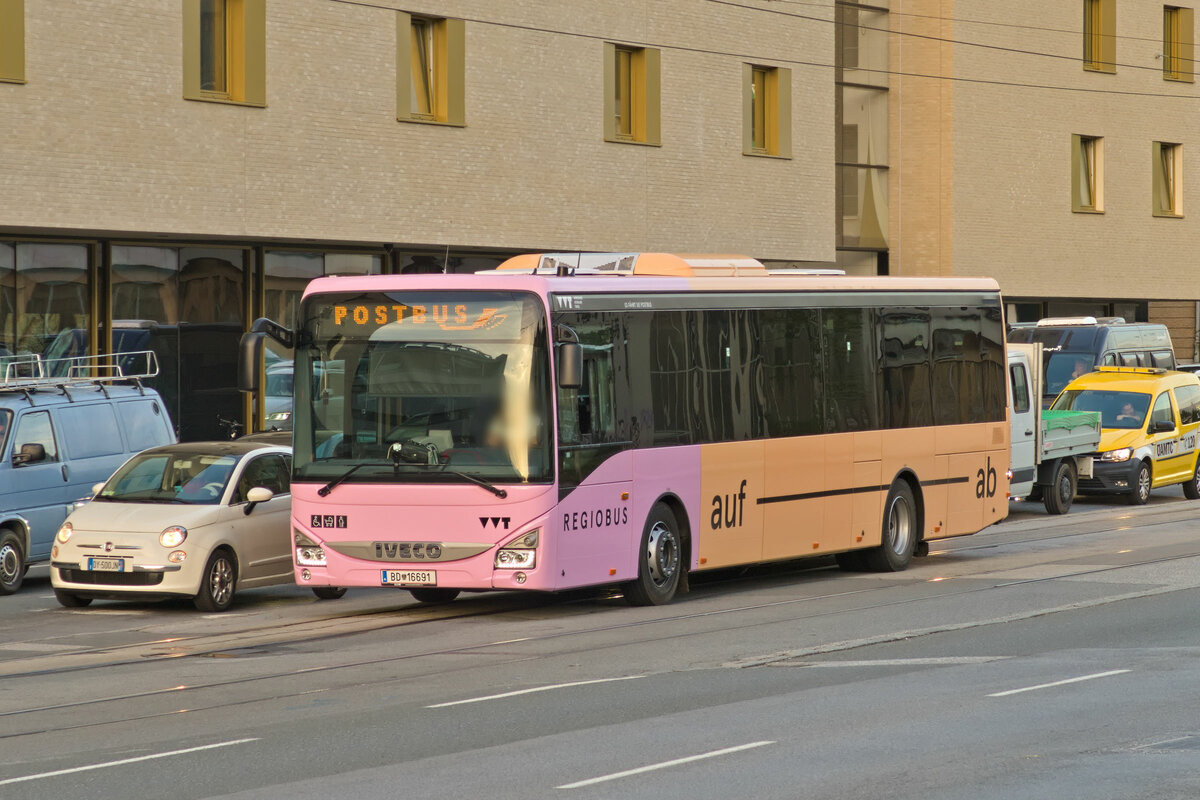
(495, 522)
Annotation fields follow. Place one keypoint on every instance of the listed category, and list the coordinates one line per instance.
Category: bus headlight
(520, 553)
(1123, 454)
(308, 552)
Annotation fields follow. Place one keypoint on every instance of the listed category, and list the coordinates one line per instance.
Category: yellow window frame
(1087, 174)
(1178, 44)
(430, 70)
(12, 41)
(244, 60)
(1167, 165)
(766, 111)
(1099, 35)
(632, 94)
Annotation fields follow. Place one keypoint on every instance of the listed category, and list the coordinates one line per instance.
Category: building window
(632, 94)
(12, 41)
(224, 51)
(430, 70)
(848, 35)
(1099, 35)
(1178, 44)
(1168, 173)
(766, 111)
(1087, 174)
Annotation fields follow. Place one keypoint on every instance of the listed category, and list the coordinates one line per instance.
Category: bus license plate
(106, 564)
(408, 577)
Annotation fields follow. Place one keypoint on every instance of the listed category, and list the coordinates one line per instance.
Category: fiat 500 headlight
(172, 536)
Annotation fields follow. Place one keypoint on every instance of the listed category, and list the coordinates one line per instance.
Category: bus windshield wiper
(327, 488)
(496, 490)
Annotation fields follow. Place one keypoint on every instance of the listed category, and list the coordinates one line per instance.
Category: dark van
(1076, 345)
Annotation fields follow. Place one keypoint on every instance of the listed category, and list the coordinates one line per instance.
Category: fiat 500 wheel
(218, 583)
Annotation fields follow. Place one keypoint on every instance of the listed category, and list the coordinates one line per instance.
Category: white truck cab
(1051, 450)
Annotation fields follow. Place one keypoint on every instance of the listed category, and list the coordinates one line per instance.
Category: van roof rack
(661, 264)
(31, 372)
(1135, 370)
(1048, 321)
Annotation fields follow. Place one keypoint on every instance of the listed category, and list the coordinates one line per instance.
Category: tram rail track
(329, 669)
(334, 626)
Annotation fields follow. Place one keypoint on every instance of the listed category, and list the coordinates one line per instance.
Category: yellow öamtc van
(1149, 425)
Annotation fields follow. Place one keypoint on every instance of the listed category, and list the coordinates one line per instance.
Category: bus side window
(587, 415)
(1110, 359)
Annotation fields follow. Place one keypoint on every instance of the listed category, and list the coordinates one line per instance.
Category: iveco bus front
(424, 439)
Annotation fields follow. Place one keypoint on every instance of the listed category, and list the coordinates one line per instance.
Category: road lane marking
(124, 761)
(531, 691)
(899, 662)
(663, 765)
(1060, 683)
(38, 647)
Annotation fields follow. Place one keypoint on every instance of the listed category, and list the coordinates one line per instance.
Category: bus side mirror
(570, 365)
(250, 351)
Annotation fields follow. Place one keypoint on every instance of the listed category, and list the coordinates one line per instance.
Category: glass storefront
(187, 304)
(43, 293)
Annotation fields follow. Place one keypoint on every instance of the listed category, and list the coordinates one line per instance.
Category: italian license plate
(408, 577)
(106, 564)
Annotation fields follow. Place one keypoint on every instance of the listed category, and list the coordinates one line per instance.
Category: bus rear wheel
(660, 560)
(433, 596)
(899, 532)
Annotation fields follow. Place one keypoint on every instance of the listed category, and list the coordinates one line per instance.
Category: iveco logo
(407, 551)
(496, 522)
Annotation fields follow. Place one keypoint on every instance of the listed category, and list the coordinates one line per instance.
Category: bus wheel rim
(662, 554)
(900, 526)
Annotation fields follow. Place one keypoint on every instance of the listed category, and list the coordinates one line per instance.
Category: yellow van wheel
(1139, 492)
(1191, 489)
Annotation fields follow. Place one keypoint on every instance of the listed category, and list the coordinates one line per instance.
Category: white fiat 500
(198, 519)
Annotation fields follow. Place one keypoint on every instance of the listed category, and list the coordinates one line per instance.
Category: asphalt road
(1047, 657)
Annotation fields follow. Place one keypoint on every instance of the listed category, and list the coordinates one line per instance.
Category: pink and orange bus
(630, 419)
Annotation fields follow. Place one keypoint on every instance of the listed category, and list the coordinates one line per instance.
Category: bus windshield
(423, 387)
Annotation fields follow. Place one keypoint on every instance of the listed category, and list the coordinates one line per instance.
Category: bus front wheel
(660, 560)
(433, 596)
(899, 532)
